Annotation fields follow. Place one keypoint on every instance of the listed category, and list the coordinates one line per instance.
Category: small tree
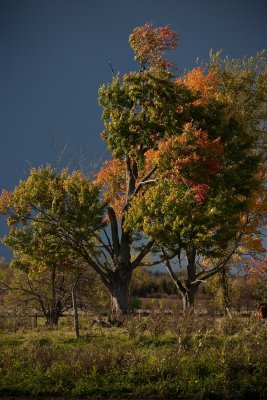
(38, 288)
(53, 221)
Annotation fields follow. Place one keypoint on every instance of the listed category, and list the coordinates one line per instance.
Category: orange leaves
(149, 45)
(193, 159)
(111, 178)
(253, 240)
(204, 85)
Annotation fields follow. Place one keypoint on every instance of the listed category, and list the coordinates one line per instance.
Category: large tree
(139, 110)
(210, 198)
(199, 141)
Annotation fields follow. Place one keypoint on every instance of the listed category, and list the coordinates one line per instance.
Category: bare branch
(145, 180)
(175, 279)
(112, 70)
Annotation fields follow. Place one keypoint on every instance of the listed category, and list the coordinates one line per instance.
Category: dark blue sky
(54, 57)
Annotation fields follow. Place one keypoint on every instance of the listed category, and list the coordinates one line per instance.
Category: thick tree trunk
(120, 291)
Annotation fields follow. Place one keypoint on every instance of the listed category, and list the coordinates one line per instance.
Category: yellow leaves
(152, 158)
(11, 221)
(5, 200)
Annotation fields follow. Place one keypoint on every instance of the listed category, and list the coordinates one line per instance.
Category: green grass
(161, 358)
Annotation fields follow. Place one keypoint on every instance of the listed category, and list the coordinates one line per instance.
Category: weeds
(167, 357)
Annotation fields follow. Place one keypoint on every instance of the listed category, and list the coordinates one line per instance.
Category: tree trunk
(75, 313)
(224, 283)
(52, 317)
(120, 291)
(188, 288)
(189, 300)
(191, 286)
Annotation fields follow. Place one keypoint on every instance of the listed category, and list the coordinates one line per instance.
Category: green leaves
(140, 111)
(60, 207)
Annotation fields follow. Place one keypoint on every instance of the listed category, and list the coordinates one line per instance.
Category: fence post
(75, 312)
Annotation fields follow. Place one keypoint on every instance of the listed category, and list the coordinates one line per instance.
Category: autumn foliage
(111, 178)
(192, 159)
(205, 85)
(150, 44)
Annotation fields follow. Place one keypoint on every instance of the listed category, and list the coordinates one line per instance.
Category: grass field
(159, 357)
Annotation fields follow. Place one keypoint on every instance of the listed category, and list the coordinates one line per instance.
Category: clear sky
(55, 54)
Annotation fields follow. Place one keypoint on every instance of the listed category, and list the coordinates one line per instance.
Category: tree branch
(145, 180)
(142, 254)
(175, 280)
(114, 231)
(203, 275)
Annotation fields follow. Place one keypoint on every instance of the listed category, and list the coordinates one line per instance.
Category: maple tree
(139, 110)
(209, 195)
(197, 140)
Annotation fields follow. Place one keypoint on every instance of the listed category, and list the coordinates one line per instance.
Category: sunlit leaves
(141, 110)
(65, 206)
(112, 179)
(150, 44)
(192, 159)
(206, 86)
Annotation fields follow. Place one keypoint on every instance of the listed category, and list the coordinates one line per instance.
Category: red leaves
(193, 159)
(150, 44)
(260, 269)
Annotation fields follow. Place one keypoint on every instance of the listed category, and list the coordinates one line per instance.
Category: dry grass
(161, 356)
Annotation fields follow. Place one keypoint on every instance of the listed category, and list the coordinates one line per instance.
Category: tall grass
(161, 357)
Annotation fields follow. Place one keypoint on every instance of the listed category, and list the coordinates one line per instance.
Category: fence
(15, 322)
